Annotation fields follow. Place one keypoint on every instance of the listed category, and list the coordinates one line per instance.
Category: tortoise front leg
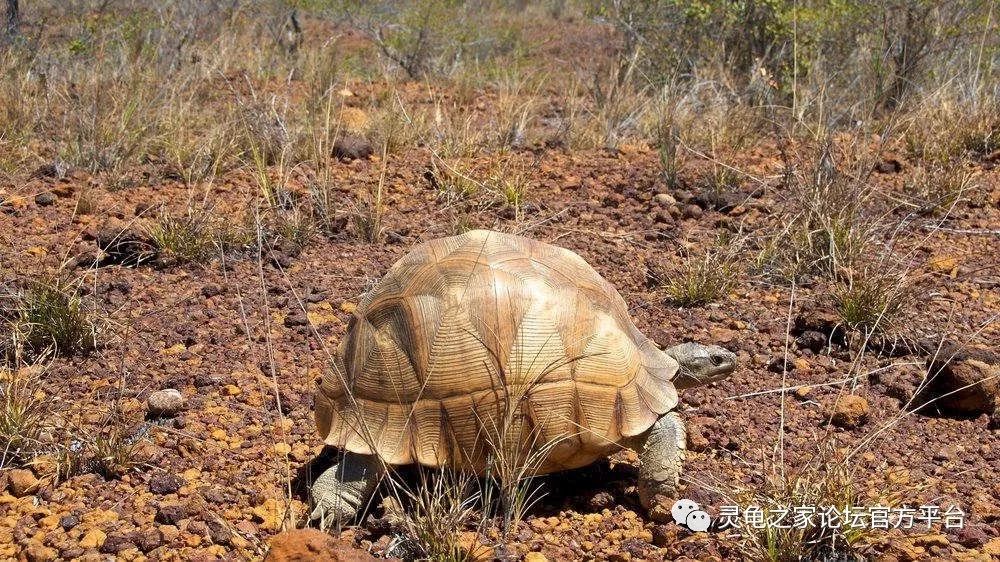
(340, 491)
(661, 454)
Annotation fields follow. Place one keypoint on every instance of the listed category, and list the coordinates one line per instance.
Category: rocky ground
(188, 433)
(244, 337)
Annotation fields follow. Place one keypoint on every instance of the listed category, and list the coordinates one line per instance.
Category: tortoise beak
(723, 363)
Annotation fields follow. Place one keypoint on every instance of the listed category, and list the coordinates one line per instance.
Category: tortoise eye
(716, 360)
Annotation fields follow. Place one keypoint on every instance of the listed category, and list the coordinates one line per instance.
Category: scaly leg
(661, 455)
(340, 491)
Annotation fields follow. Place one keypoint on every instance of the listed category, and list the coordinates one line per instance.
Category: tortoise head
(701, 364)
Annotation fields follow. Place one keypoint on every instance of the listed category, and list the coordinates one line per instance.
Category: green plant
(69, 460)
(452, 181)
(871, 300)
(509, 181)
(702, 279)
(295, 226)
(49, 314)
(461, 223)
(185, 238)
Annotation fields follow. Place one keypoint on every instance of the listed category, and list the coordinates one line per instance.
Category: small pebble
(166, 403)
(45, 199)
(163, 484)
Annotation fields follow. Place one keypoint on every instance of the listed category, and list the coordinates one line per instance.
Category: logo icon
(688, 513)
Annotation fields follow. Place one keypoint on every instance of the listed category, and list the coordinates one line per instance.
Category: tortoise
(488, 346)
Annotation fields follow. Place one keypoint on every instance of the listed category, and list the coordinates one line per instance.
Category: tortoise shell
(489, 347)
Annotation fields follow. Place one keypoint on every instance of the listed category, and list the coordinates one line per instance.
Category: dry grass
(116, 451)
(827, 481)
(396, 126)
(441, 506)
(518, 95)
(369, 210)
(666, 138)
(872, 299)
(703, 279)
(49, 315)
(833, 217)
(938, 188)
(185, 238)
(22, 416)
(508, 180)
(193, 91)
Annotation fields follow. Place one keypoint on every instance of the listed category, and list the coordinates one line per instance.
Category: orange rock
(306, 545)
(473, 547)
(850, 411)
(49, 522)
(36, 552)
(191, 539)
(270, 514)
(992, 548)
(169, 533)
(93, 539)
(22, 483)
(946, 264)
(801, 364)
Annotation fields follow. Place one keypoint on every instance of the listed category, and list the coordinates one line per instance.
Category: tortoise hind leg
(341, 490)
(661, 454)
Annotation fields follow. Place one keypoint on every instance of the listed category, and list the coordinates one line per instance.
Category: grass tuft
(50, 315)
(116, 452)
(22, 415)
(183, 239)
(871, 301)
(443, 503)
(703, 279)
(937, 188)
(824, 482)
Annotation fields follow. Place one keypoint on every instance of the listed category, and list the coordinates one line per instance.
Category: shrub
(428, 38)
